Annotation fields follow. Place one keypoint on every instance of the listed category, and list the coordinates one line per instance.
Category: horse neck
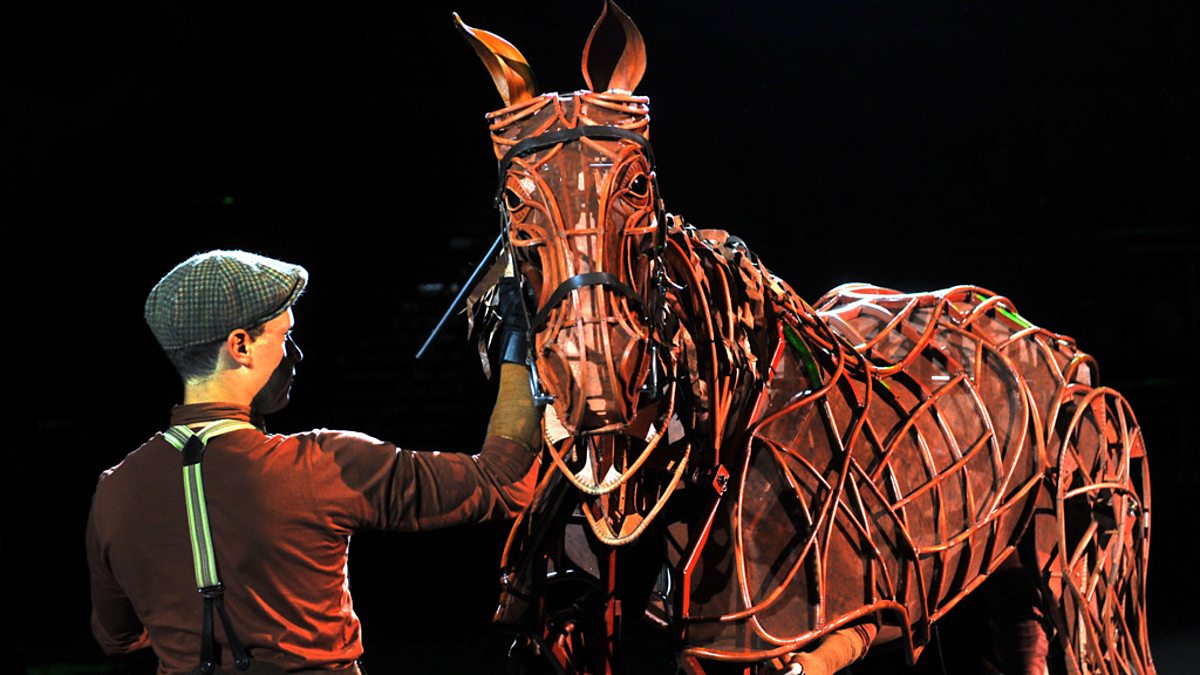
(723, 301)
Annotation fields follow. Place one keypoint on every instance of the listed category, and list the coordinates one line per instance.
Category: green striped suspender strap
(191, 445)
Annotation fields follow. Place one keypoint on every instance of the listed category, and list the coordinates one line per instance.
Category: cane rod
(462, 293)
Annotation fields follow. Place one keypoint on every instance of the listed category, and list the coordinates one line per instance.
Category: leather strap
(580, 281)
(553, 138)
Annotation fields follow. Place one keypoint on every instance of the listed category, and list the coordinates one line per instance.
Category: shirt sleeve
(115, 626)
(375, 485)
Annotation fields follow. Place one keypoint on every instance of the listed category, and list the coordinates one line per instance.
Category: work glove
(514, 321)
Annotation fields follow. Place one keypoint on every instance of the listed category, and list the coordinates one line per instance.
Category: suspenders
(208, 581)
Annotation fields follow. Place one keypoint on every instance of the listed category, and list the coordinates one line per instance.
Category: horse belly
(954, 424)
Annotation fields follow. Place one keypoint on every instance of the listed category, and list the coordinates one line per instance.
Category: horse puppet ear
(632, 63)
(508, 68)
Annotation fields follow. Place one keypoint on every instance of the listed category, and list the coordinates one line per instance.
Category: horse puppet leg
(1014, 604)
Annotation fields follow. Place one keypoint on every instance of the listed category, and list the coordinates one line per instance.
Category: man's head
(226, 310)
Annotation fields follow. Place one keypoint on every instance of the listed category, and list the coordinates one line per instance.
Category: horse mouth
(626, 472)
(597, 419)
(600, 417)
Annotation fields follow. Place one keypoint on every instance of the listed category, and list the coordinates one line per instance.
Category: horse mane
(733, 313)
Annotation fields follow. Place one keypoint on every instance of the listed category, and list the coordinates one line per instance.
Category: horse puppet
(773, 485)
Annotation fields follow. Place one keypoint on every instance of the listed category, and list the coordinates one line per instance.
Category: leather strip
(566, 136)
(580, 281)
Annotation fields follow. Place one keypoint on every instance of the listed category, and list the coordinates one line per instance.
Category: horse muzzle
(592, 352)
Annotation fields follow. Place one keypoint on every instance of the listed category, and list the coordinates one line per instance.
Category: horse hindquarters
(1090, 526)
(1092, 533)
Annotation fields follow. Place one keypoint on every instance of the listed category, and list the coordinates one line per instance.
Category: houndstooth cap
(210, 294)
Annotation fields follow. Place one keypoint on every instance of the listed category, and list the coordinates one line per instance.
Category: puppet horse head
(584, 227)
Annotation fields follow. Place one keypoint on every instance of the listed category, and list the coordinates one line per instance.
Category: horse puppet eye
(512, 201)
(640, 185)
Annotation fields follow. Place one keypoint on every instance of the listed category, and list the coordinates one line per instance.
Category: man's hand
(514, 321)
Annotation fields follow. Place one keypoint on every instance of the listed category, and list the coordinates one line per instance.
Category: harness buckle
(541, 398)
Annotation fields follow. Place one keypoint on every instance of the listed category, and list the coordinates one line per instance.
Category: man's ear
(237, 347)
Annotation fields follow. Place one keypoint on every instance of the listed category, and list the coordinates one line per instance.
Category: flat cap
(211, 294)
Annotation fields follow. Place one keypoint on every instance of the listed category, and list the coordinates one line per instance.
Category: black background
(1044, 150)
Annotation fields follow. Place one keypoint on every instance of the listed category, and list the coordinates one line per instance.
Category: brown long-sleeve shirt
(281, 510)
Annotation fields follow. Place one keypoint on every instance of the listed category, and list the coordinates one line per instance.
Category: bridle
(552, 138)
(650, 309)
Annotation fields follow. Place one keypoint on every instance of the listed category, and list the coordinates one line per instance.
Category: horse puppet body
(754, 476)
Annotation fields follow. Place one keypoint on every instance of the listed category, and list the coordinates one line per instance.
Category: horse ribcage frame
(906, 443)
